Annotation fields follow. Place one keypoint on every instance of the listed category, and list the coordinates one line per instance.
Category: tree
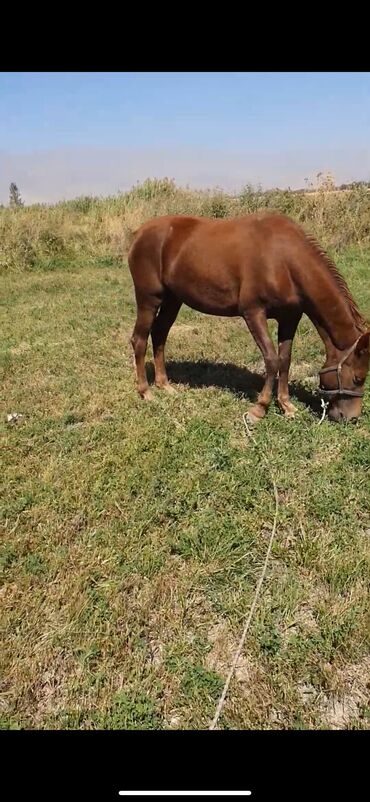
(14, 196)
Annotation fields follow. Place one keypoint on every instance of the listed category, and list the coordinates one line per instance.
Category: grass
(133, 534)
(89, 231)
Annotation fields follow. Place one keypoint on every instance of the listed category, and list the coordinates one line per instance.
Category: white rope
(221, 702)
(324, 405)
(258, 586)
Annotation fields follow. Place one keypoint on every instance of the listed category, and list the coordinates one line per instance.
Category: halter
(338, 369)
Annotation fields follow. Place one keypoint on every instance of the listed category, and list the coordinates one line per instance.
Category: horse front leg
(257, 323)
(286, 333)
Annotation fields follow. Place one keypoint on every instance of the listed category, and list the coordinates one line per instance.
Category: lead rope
(238, 652)
(258, 587)
(324, 405)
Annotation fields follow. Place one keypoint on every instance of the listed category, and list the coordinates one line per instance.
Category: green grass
(133, 534)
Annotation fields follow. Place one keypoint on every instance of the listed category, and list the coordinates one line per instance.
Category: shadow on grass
(227, 376)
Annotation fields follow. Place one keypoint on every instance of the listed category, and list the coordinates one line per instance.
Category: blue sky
(63, 134)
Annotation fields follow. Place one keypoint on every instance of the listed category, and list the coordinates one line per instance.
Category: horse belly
(213, 294)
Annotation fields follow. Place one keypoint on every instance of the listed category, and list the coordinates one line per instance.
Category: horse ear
(363, 343)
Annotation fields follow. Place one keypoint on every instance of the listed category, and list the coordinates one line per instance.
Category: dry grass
(90, 230)
(133, 534)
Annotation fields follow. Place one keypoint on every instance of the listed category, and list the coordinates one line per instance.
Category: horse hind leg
(257, 324)
(166, 317)
(144, 321)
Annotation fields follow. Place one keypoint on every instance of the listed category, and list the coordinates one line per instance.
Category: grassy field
(133, 534)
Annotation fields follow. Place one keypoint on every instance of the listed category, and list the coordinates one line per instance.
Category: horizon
(313, 189)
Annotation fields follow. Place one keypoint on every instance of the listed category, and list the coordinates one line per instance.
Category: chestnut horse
(259, 266)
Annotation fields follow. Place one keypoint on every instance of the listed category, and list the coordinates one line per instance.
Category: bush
(90, 229)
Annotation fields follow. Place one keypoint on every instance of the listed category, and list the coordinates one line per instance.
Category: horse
(259, 267)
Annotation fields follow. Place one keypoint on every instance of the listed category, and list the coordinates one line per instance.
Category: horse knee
(284, 363)
(137, 343)
(272, 364)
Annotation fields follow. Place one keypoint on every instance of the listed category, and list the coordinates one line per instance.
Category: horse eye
(357, 380)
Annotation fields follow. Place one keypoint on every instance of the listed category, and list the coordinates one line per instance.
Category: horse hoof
(168, 388)
(147, 395)
(289, 410)
(253, 417)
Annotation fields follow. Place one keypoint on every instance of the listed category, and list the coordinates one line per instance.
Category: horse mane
(340, 281)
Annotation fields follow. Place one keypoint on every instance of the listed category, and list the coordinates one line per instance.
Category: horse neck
(329, 311)
(333, 352)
